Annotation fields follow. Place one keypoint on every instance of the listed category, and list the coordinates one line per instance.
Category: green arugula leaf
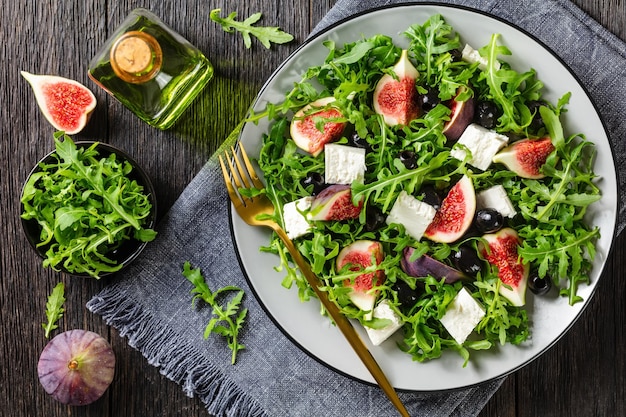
(430, 42)
(357, 53)
(509, 89)
(553, 125)
(560, 253)
(69, 153)
(232, 315)
(389, 183)
(265, 34)
(54, 308)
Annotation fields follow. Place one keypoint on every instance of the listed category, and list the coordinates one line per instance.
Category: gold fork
(244, 176)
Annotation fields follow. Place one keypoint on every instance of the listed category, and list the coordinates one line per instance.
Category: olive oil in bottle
(151, 69)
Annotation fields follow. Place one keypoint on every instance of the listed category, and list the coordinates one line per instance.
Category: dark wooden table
(583, 375)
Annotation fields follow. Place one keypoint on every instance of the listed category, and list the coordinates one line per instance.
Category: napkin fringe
(177, 362)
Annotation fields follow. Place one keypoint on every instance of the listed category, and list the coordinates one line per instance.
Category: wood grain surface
(582, 375)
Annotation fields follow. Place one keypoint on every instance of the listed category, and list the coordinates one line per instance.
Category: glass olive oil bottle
(151, 69)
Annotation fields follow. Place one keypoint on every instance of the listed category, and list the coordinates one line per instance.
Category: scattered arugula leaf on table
(54, 308)
(231, 315)
(265, 34)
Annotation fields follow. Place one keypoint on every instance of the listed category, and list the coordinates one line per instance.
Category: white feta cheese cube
(413, 214)
(344, 164)
(496, 198)
(482, 143)
(296, 224)
(471, 55)
(384, 311)
(462, 316)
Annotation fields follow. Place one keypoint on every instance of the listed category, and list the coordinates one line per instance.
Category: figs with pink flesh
(526, 157)
(334, 203)
(461, 115)
(305, 130)
(396, 99)
(456, 213)
(360, 255)
(66, 104)
(513, 273)
(425, 266)
(76, 367)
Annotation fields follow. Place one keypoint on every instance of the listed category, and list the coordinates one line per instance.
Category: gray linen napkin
(150, 302)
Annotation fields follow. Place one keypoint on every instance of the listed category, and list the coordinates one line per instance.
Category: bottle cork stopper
(136, 57)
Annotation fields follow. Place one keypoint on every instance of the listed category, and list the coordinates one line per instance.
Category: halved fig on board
(396, 98)
(526, 157)
(305, 128)
(66, 104)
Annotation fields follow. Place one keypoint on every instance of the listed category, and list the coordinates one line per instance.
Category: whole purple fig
(76, 367)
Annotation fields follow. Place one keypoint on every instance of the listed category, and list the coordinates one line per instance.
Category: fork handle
(343, 324)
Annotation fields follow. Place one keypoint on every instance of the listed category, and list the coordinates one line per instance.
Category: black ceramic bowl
(129, 249)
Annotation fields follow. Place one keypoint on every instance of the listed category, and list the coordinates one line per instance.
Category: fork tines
(244, 176)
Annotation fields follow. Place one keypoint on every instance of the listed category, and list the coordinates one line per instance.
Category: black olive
(487, 114)
(537, 122)
(430, 196)
(409, 159)
(355, 140)
(488, 220)
(374, 218)
(316, 180)
(429, 100)
(406, 295)
(539, 285)
(456, 55)
(467, 261)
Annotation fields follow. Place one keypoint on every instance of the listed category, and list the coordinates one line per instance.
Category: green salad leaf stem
(511, 90)
(54, 308)
(229, 318)
(265, 34)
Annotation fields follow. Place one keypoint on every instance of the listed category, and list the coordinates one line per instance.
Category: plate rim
(609, 249)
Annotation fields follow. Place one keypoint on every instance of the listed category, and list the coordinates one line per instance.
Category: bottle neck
(136, 57)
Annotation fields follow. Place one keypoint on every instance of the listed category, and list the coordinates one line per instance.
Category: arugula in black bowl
(87, 208)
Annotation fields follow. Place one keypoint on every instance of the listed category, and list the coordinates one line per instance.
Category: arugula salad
(414, 134)
(86, 204)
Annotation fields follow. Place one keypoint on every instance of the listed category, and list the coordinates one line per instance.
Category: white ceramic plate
(550, 317)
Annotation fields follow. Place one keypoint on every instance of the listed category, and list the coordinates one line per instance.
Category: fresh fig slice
(396, 99)
(456, 213)
(526, 157)
(359, 255)
(76, 367)
(512, 271)
(304, 128)
(461, 115)
(425, 266)
(66, 104)
(334, 203)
